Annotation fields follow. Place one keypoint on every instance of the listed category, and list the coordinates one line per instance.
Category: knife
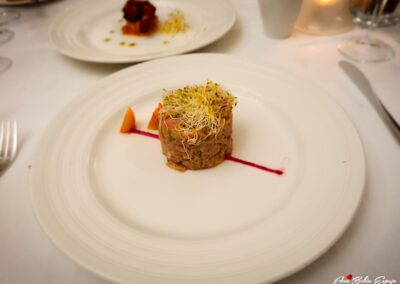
(363, 84)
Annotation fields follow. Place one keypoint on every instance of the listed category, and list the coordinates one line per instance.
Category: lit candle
(327, 8)
(326, 3)
(324, 17)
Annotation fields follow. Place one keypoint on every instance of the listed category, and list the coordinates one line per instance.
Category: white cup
(279, 16)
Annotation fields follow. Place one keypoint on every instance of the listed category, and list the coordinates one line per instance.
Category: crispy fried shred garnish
(199, 108)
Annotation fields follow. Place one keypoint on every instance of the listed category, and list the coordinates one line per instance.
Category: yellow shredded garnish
(176, 23)
(199, 109)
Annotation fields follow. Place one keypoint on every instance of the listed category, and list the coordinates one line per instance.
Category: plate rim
(229, 25)
(87, 92)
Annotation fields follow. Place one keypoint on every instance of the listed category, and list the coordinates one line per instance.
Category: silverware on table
(363, 84)
(8, 142)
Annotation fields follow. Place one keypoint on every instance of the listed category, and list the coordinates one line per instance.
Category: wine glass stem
(7, 16)
(5, 64)
(366, 48)
(373, 23)
(5, 36)
(378, 9)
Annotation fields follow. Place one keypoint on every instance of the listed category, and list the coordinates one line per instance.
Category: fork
(8, 142)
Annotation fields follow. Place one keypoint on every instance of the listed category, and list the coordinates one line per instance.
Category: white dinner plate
(16, 2)
(110, 203)
(91, 31)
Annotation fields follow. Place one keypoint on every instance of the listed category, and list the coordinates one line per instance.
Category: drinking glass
(7, 16)
(365, 49)
(362, 10)
(6, 35)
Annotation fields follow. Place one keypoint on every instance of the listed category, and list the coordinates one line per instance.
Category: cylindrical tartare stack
(195, 126)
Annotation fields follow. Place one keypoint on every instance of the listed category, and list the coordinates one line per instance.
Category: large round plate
(109, 201)
(91, 31)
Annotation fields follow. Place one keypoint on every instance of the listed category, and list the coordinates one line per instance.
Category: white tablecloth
(41, 82)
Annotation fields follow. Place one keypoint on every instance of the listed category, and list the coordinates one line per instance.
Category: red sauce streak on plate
(278, 172)
(145, 133)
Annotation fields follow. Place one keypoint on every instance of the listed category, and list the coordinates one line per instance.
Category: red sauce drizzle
(228, 158)
(260, 167)
(145, 133)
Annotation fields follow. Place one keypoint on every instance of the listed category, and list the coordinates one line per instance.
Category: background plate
(110, 203)
(91, 31)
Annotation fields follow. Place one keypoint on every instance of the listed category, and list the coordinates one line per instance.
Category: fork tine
(14, 145)
(1, 138)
